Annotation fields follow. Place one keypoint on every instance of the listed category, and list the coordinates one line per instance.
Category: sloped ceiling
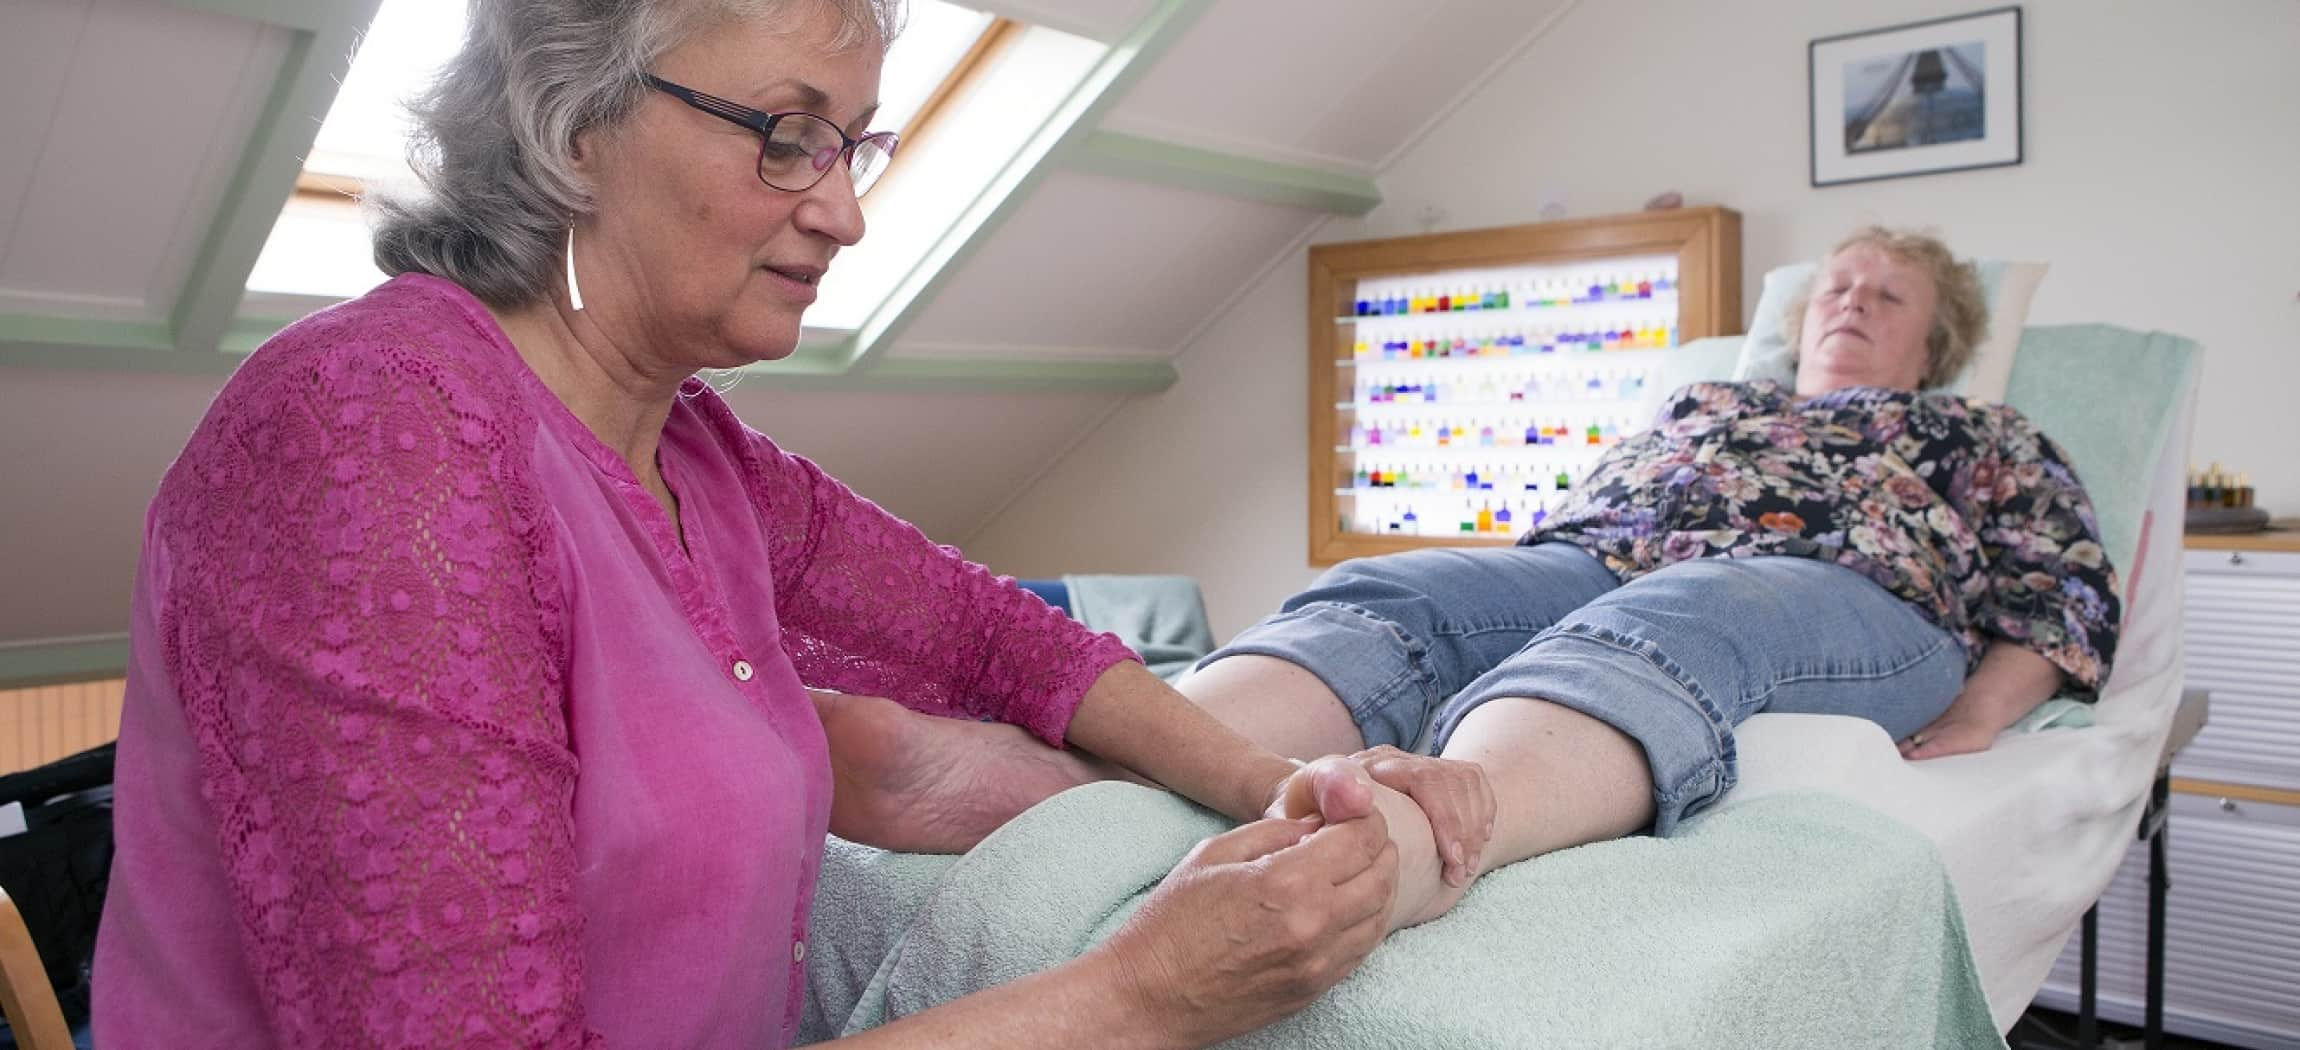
(145, 146)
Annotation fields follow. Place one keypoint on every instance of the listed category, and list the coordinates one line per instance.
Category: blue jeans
(1413, 642)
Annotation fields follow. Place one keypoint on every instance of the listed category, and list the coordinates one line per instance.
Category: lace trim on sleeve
(365, 630)
(869, 605)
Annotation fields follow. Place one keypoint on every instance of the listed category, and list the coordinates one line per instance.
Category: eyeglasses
(796, 148)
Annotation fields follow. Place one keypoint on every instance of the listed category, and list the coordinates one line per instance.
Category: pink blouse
(435, 736)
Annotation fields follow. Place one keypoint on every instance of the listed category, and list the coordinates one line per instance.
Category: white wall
(2161, 181)
(85, 452)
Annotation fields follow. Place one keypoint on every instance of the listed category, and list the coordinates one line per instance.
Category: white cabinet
(2243, 645)
(2232, 927)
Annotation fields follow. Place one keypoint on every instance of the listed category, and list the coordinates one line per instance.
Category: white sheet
(2032, 829)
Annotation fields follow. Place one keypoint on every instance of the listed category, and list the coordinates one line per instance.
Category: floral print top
(1963, 509)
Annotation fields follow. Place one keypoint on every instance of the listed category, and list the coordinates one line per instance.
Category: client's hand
(1453, 794)
(2009, 681)
(1954, 733)
(1255, 923)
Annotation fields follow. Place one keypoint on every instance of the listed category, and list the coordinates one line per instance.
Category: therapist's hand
(1255, 924)
(1453, 794)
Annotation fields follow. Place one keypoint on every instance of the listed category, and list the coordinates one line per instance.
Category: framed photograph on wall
(1915, 99)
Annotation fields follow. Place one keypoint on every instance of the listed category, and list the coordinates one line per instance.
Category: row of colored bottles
(1617, 335)
(1440, 301)
(1489, 518)
(1581, 384)
(2218, 488)
(1473, 433)
(1611, 288)
(1608, 288)
(1464, 477)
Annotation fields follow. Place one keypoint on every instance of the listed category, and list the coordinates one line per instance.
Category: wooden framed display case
(1460, 382)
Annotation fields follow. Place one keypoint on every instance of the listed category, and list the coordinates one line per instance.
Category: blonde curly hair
(1960, 308)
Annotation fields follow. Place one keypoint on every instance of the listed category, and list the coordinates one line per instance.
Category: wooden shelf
(2247, 792)
(1704, 244)
(2282, 534)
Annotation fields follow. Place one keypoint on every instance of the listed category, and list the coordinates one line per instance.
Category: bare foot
(1338, 789)
(922, 784)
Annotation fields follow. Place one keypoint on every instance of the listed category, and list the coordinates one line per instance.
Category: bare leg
(1275, 704)
(1560, 778)
(907, 781)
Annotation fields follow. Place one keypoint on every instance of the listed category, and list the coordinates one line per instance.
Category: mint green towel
(2110, 397)
(1786, 922)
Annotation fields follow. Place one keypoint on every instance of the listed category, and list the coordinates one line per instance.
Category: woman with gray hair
(467, 701)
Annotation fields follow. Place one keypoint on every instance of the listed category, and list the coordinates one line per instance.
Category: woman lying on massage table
(1854, 546)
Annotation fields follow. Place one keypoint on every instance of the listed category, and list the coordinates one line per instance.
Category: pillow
(2008, 286)
(1709, 360)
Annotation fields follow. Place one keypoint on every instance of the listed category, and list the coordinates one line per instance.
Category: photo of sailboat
(1924, 97)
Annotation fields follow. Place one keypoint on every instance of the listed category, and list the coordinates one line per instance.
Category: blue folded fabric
(1161, 617)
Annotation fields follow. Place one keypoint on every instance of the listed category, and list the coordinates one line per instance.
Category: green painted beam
(304, 15)
(78, 344)
(37, 330)
(317, 58)
(80, 357)
(25, 664)
(974, 374)
(816, 365)
(1139, 159)
(1125, 63)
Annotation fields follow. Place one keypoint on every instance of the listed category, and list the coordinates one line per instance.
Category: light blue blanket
(1788, 922)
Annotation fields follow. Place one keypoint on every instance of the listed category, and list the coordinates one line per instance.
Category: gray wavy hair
(494, 137)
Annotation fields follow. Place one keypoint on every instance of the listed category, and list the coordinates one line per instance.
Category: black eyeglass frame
(763, 123)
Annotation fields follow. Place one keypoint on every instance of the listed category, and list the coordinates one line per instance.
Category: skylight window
(364, 137)
(319, 249)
